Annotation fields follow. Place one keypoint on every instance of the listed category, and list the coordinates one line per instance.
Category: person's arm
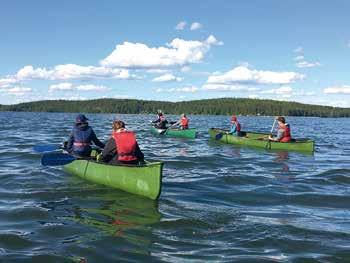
(156, 121)
(70, 142)
(96, 141)
(139, 154)
(109, 151)
(233, 128)
(279, 136)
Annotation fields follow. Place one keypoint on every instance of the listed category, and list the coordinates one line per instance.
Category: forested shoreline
(223, 106)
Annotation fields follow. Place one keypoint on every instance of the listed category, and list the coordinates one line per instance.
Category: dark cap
(81, 118)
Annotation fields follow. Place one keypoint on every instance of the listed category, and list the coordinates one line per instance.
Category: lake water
(219, 202)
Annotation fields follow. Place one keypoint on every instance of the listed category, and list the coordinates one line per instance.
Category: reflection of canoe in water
(145, 180)
(118, 214)
(187, 133)
(256, 139)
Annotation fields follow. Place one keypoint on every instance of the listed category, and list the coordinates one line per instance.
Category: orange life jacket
(286, 134)
(126, 145)
(184, 123)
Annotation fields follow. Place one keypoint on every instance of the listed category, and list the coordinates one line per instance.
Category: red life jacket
(126, 145)
(184, 123)
(286, 134)
(238, 126)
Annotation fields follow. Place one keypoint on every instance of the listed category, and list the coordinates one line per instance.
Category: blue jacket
(80, 139)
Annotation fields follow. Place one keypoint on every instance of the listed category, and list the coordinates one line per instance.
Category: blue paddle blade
(46, 148)
(54, 159)
(218, 136)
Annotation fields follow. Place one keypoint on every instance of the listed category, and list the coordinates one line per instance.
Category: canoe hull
(256, 140)
(144, 180)
(188, 133)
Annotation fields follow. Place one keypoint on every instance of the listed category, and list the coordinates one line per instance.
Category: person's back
(122, 147)
(82, 136)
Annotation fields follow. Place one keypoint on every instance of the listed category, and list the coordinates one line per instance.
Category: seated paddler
(283, 132)
(183, 122)
(235, 126)
(161, 122)
(122, 147)
(81, 137)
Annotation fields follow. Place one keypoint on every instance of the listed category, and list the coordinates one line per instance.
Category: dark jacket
(160, 123)
(82, 133)
(110, 153)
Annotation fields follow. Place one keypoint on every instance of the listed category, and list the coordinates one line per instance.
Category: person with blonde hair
(122, 147)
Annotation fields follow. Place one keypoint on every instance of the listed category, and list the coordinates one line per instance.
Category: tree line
(223, 106)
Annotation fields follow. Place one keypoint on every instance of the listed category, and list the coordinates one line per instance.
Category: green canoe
(145, 180)
(188, 133)
(256, 139)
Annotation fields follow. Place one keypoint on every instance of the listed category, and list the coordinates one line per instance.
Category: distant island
(223, 106)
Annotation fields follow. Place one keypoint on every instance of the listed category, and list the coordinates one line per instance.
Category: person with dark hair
(235, 126)
(283, 132)
(161, 122)
(122, 147)
(81, 137)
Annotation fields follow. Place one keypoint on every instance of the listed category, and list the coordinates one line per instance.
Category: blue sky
(175, 50)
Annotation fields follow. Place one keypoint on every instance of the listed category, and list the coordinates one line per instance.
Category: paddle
(268, 144)
(46, 148)
(54, 159)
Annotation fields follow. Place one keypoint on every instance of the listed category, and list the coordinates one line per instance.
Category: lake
(220, 203)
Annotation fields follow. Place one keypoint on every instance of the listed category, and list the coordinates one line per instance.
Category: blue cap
(81, 118)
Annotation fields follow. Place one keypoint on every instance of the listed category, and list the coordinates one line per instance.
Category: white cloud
(18, 91)
(157, 71)
(243, 76)
(181, 25)
(298, 58)
(178, 52)
(65, 86)
(299, 50)
(185, 69)
(90, 87)
(284, 90)
(189, 89)
(253, 96)
(349, 43)
(305, 64)
(167, 78)
(71, 71)
(211, 40)
(196, 26)
(7, 82)
(223, 87)
(61, 86)
(337, 90)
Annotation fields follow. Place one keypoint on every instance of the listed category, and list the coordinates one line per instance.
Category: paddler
(182, 122)
(161, 122)
(235, 126)
(283, 132)
(79, 142)
(122, 147)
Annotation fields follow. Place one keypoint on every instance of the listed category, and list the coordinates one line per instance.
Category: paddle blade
(46, 148)
(54, 159)
(218, 136)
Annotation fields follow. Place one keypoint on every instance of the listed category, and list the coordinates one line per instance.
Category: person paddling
(161, 122)
(235, 126)
(79, 142)
(122, 147)
(183, 122)
(283, 132)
